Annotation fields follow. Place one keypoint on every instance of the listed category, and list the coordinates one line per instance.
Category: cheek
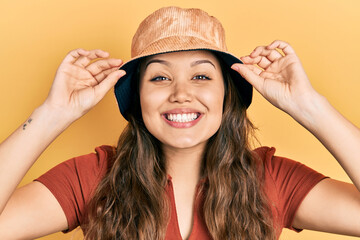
(214, 98)
(150, 102)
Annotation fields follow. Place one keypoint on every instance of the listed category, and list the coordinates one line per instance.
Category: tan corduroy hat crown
(172, 29)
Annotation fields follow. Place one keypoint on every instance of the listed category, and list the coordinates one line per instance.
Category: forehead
(183, 56)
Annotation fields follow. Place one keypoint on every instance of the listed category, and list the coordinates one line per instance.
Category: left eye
(159, 78)
(201, 77)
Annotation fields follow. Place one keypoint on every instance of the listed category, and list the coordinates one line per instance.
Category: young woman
(183, 167)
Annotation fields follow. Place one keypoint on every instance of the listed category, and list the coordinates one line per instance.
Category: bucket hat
(172, 29)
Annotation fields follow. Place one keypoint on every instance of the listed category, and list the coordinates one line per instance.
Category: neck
(184, 165)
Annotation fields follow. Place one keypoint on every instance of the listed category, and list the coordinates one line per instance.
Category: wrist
(52, 117)
(310, 109)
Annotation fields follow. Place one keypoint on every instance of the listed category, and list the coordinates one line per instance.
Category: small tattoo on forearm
(26, 123)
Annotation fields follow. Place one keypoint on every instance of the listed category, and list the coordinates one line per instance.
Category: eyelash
(197, 77)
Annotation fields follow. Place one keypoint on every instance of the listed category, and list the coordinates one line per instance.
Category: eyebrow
(169, 64)
(201, 62)
(157, 61)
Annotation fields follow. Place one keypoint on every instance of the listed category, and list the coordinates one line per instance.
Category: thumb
(249, 75)
(104, 86)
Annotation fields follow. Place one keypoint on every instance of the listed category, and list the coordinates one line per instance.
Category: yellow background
(37, 34)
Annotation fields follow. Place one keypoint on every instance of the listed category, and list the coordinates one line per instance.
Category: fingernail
(235, 67)
(122, 73)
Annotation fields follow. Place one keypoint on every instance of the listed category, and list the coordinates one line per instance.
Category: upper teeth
(185, 117)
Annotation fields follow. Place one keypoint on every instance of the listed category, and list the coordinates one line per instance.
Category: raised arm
(80, 83)
(332, 206)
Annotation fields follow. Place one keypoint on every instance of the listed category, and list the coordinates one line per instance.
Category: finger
(102, 88)
(83, 61)
(75, 54)
(271, 54)
(284, 46)
(267, 75)
(249, 75)
(97, 67)
(261, 61)
(253, 68)
(249, 60)
(102, 75)
(257, 51)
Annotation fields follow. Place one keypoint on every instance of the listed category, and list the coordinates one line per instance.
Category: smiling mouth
(184, 117)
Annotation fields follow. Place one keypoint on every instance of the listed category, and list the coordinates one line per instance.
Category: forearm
(22, 148)
(335, 132)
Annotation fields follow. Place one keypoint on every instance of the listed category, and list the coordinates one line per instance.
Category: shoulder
(91, 165)
(86, 169)
(73, 182)
(281, 169)
(264, 153)
(80, 174)
(102, 155)
(98, 161)
(286, 183)
(274, 164)
(283, 177)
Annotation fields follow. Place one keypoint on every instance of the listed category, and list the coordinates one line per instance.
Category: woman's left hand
(282, 81)
(278, 76)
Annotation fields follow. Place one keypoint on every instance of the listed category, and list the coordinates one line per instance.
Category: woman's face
(181, 97)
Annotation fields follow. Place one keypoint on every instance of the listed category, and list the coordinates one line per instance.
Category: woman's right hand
(82, 80)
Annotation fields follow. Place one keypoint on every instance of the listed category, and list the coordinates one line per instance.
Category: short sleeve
(290, 180)
(74, 181)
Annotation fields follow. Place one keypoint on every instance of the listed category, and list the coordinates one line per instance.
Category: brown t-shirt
(73, 182)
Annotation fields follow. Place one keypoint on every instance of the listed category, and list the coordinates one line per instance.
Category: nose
(181, 92)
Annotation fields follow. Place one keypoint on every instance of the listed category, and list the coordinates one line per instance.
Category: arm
(283, 82)
(78, 86)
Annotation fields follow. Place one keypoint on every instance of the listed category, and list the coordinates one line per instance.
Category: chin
(184, 143)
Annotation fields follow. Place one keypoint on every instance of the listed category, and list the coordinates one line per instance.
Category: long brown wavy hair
(130, 202)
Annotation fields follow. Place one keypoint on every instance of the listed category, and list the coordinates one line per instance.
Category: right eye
(159, 78)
